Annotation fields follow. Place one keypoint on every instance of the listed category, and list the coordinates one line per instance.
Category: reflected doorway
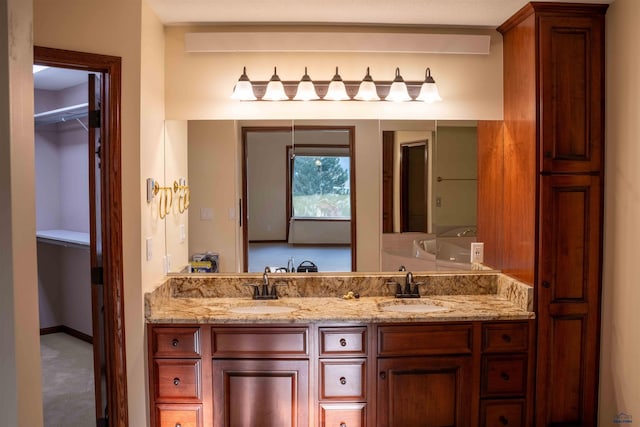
(298, 197)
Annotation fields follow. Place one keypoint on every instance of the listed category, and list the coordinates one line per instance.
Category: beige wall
(20, 396)
(199, 85)
(620, 346)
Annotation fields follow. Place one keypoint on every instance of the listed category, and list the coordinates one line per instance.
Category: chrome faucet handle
(402, 268)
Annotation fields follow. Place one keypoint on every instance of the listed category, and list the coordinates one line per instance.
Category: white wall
(620, 346)
(20, 389)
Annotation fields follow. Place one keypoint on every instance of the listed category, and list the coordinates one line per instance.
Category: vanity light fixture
(337, 91)
(398, 91)
(429, 90)
(275, 89)
(367, 90)
(306, 90)
(243, 90)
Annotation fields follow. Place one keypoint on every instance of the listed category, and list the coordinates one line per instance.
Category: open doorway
(299, 198)
(79, 217)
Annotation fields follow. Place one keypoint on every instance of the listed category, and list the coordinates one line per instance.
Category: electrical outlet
(477, 252)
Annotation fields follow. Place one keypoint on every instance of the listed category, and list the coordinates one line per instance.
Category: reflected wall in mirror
(437, 172)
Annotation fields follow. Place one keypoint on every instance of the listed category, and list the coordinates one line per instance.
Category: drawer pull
(178, 425)
(503, 420)
(343, 424)
(343, 380)
(505, 376)
(383, 375)
(506, 338)
(343, 342)
(176, 381)
(546, 284)
(175, 342)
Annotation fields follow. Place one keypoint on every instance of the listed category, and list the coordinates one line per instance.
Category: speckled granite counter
(317, 297)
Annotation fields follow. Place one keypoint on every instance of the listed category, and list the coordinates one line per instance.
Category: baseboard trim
(67, 330)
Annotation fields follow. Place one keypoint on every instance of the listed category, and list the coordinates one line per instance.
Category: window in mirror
(320, 187)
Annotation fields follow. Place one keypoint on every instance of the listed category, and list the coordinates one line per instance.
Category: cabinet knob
(506, 338)
(343, 342)
(546, 284)
(503, 420)
(343, 380)
(383, 375)
(175, 342)
(176, 381)
(178, 425)
(343, 424)
(505, 376)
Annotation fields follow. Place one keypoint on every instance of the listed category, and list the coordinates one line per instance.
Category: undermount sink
(412, 306)
(263, 309)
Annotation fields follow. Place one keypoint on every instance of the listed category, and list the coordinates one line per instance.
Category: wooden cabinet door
(571, 50)
(424, 391)
(568, 304)
(261, 393)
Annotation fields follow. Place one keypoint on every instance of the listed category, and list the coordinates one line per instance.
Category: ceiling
(483, 13)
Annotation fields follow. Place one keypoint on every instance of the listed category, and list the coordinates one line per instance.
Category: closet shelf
(64, 238)
(60, 115)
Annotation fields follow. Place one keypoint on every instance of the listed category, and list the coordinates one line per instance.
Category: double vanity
(341, 349)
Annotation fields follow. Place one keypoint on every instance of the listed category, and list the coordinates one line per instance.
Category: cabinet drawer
(424, 340)
(175, 342)
(502, 413)
(342, 379)
(343, 342)
(504, 375)
(259, 342)
(177, 380)
(503, 337)
(168, 415)
(342, 415)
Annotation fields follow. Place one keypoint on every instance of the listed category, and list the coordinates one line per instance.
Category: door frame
(111, 193)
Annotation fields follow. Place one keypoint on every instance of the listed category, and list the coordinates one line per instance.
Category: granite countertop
(319, 298)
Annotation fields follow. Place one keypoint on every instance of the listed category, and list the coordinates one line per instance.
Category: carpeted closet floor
(67, 381)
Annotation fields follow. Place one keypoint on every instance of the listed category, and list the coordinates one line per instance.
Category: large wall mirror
(416, 201)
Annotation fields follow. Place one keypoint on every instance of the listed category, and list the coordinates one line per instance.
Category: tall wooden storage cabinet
(551, 233)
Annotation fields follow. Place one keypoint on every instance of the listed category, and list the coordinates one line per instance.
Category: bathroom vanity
(341, 350)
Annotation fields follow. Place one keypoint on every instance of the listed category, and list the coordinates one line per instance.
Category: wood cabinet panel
(502, 413)
(335, 342)
(177, 380)
(502, 337)
(259, 342)
(572, 82)
(260, 393)
(570, 235)
(424, 340)
(174, 415)
(180, 342)
(426, 391)
(343, 415)
(343, 379)
(504, 375)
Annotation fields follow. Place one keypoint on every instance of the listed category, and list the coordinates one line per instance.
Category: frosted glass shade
(275, 89)
(337, 90)
(243, 90)
(429, 91)
(398, 91)
(367, 90)
(306, 90)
